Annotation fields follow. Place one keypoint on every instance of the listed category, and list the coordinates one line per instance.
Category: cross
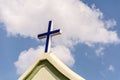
(48, 35)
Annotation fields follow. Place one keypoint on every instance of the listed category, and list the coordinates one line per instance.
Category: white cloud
(111, 68)
(79, 22)
(26, 58)
(110, 24)
(100, 51)
(64, 55)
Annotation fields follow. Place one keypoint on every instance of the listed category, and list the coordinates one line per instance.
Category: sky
(89, 43)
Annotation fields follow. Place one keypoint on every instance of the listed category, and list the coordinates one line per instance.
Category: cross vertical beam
(48, 35)
(48, 40)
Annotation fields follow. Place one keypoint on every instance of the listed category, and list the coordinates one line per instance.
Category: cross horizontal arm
(41, 36)
(55, 32)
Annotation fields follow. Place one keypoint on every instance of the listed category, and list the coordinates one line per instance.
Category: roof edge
(60, 66)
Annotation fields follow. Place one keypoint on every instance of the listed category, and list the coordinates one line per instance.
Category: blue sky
(97, 61)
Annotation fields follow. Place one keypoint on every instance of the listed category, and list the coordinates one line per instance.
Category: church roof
(52, 63)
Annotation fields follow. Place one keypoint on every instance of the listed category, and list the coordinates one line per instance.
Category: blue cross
(48, 36)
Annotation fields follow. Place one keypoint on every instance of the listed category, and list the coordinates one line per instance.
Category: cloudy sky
(89, 43)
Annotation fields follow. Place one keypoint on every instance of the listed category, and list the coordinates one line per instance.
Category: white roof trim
(57, 64)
